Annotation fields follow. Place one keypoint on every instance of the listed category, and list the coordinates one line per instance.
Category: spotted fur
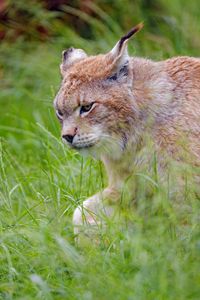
(130, 98)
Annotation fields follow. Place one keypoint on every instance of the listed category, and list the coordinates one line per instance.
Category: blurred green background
(154, 253)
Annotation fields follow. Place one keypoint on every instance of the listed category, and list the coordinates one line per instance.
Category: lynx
(108, 103)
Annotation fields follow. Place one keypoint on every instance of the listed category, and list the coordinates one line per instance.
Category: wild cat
(107, 103)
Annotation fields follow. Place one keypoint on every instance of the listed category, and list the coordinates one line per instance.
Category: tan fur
(156, 99)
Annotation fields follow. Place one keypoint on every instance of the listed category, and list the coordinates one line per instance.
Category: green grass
(152, 251)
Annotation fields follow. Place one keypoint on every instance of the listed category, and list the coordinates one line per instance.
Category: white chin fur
(98, 150)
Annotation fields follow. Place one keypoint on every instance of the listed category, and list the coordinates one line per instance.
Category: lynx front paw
(90, 215)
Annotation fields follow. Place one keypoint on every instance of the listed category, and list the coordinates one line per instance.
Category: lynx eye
(59, 114)
(85, 108)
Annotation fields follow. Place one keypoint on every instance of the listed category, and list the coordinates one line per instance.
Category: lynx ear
(69, 57)
(119, 53)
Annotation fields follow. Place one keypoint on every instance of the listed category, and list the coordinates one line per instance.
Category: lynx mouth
(78, 147)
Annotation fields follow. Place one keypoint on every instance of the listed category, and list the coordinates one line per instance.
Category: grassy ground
(153, 252)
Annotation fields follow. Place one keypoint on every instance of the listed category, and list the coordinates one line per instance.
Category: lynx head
(93, 103)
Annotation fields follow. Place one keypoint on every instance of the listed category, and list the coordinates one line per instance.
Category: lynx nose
(68, 138)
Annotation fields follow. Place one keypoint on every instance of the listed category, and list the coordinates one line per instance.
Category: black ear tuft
(129, 34)
(120, 49)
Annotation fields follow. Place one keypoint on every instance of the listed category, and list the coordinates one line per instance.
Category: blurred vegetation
(169, 23)
(153, 252)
